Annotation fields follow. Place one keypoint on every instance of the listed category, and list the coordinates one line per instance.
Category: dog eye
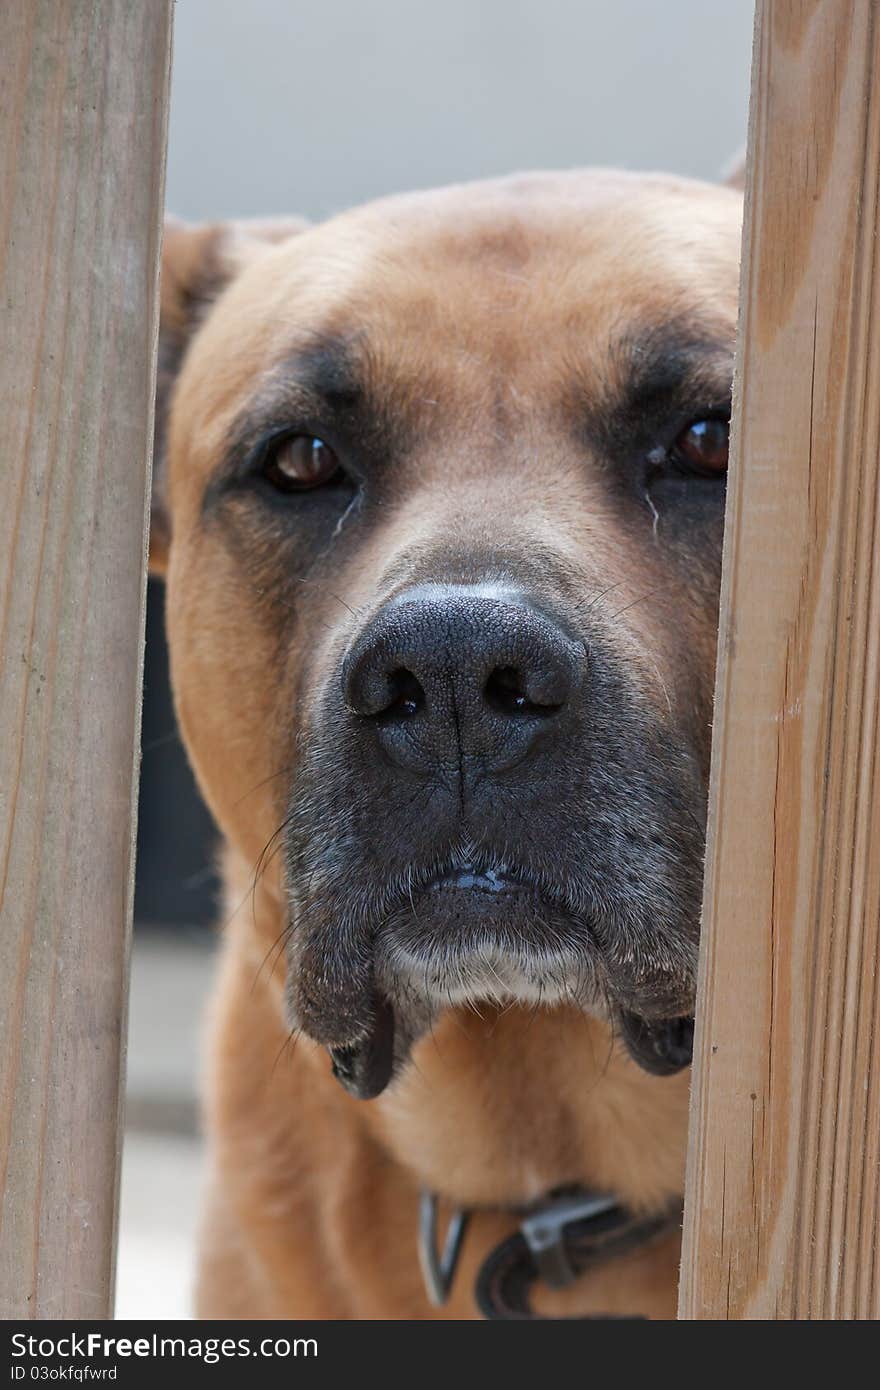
(299, 463)
(703, 447)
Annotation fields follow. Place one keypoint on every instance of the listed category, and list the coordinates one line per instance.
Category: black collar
(559, 1238)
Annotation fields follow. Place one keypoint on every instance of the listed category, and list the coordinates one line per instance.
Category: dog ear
(198, 262)
(733, 175)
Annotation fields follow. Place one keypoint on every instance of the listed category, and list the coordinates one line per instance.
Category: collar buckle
(438, 1267)
(544, 1229)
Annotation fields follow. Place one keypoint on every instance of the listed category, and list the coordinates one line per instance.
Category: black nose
(451, 673)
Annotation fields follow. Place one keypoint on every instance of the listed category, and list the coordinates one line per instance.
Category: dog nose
(451, 673)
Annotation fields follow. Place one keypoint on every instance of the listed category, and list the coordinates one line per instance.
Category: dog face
(445, 482)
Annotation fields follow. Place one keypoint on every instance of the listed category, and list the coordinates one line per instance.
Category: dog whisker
(649, 593)
(273, 776)
(288, 1046)
(276, 950)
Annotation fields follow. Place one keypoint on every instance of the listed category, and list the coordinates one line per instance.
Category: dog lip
(470, 879)
(660, 1046)
(365, 1068)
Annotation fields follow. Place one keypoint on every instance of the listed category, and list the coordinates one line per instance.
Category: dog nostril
(405, 697)
(505, 692)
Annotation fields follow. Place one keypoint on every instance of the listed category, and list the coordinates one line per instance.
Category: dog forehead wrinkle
(329, 367)
(667, 360)
(659, 366)
(656, 356)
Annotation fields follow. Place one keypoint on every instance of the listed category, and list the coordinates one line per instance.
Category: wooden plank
(84, 100)
(784, 1164)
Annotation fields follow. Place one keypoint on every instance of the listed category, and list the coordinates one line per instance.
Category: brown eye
(703, 447)
(300, 463)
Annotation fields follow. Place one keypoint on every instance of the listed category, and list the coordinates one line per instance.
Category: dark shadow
(176, 881)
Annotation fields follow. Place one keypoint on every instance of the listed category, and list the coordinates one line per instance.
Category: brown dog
(441, 512)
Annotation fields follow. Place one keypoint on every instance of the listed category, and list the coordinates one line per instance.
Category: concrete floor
(161, 1182)
(162, 1156)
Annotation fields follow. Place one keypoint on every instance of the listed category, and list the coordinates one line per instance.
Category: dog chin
(486, 935)
(488, 972)
(491, 936)
(497, 969)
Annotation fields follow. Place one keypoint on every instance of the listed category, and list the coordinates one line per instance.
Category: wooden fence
(784, 1169)
(784, 1166)
(85, 91)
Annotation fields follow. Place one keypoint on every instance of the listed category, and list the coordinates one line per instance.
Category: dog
(438, 499)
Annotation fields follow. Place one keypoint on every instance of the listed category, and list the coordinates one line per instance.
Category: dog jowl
(445, 487)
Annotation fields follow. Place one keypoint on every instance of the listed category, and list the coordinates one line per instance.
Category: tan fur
(313, 1196)
(312, 1210)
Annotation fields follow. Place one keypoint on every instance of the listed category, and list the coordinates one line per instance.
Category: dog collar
(559, 1238)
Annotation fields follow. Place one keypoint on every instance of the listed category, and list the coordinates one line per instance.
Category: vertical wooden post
(85, 86)
(784, 1166)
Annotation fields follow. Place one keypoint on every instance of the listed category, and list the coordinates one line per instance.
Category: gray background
(299, 106)
(303, 106)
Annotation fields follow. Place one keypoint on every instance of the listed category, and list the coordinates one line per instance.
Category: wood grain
(84, 100)
(784, 1164)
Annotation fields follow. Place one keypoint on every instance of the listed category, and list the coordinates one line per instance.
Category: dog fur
(493, 324)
